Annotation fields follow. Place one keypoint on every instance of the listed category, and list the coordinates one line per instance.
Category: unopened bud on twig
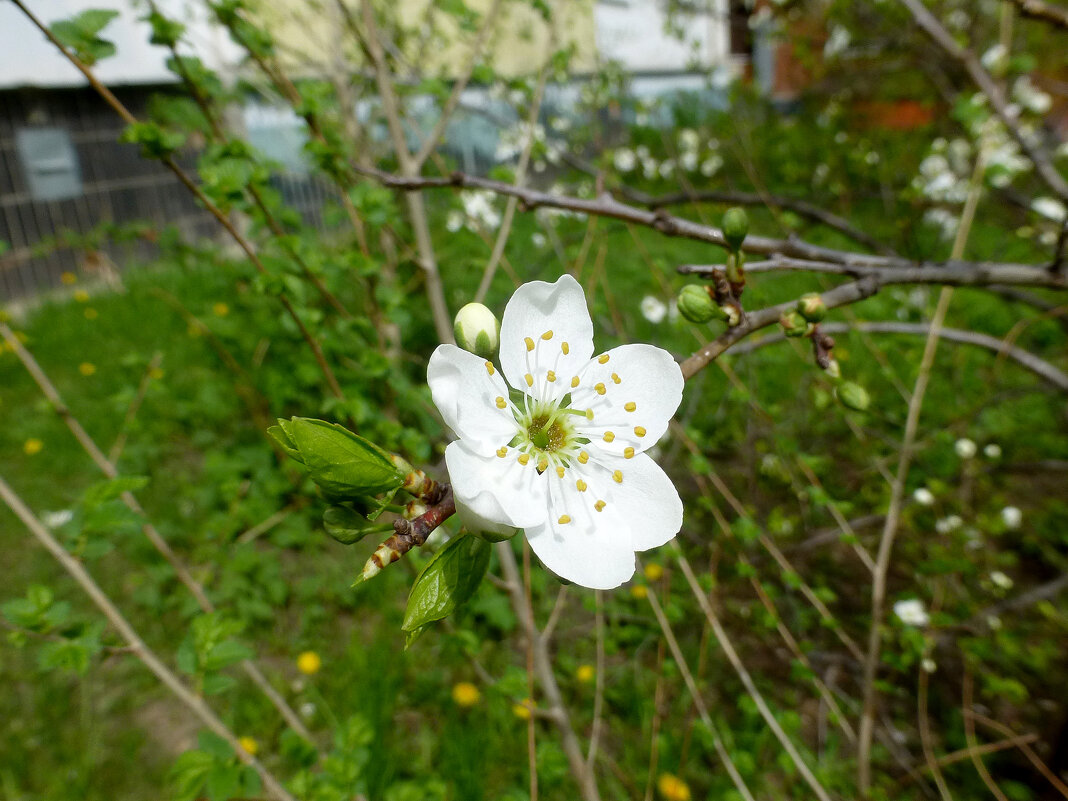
(853, 396)
(833, 370)
(793, 324)
(812, 307)
(477, 330)
(735, 227)
(696, 304)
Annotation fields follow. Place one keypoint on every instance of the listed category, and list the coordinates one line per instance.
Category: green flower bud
(852, 396)
(477, 330)
(697, 305)
(812, 307)
(793, 324)
(735, 227)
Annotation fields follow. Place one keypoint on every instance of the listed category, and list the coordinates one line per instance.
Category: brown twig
(1036, 9)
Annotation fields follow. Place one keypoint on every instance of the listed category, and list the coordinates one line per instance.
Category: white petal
(466, 392)
(587, 559)
(646, 499)
(538, 309)
(643, 375)
(495, 493)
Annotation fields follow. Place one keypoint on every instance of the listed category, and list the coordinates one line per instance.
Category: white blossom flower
(478, 206)
(688, 161)
(623, 159)
(710, 165)
(948, 524)
(1000, 580)
(837, 42)
(57, 519)
(911, 612)
(454, 221)
(1011, 516)
(923, 496)
(562, 455)
(653, 309)
(1030, 96)
(995, 58)
(965, 448)
(307, 710)
(538, 239)
(992, 451)
(1049, 207)
(689, 139)
(929, 665)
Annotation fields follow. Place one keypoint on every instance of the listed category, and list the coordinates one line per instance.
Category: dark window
(49, 163)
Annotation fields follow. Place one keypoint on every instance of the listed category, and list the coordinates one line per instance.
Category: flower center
(545, 434)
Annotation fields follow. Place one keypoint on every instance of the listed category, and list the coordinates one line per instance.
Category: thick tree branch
(1036, 9)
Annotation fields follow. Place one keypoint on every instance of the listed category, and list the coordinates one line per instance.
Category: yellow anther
(600, 388)
(565, 348)
(564, 520)
(489, 367)
(574, 382)
(618, 476)
(639, 431)
(580, 485)
(547, 335)
(628, 453)
(603, 358)
(615, 378)
(589, 414)
(583, 457)
(543, 464)
(501, 402)
(630, 406)
(502, 451)
(609, 436)
(524, 458)
(529, 379)
(530, 343)
(599, 506)
(559, 472)
(550, 376)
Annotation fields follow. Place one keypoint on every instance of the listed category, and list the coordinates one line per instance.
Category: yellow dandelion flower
(81, 296)
(32, 446)
(653, 571)
(220, 309)
(249, 744)
(672, 788)
(86, 368)
(585, 673)
(465, 694)
(524, 710)
(309, 663)
(639, 591)
(91, 314)
(68, 278)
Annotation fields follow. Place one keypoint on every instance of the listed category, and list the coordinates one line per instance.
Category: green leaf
(189, 773)
(79, 34)
(226, 653)
(105, 491)
(347, 526)
(447, 581)
(218, 683)
(343, 464)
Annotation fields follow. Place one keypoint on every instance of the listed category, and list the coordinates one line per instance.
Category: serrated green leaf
(105, 491)
(343, 464)
(447, 581)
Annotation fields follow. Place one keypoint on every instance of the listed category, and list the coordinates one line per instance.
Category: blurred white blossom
(912, 612)
(1001, 580)
(1049, 207)
(948, 524)
(57, 519)
(623, 159)
(992, 451)
(923, 496)
(653, 309)
(965, 448)
(1012, 517)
